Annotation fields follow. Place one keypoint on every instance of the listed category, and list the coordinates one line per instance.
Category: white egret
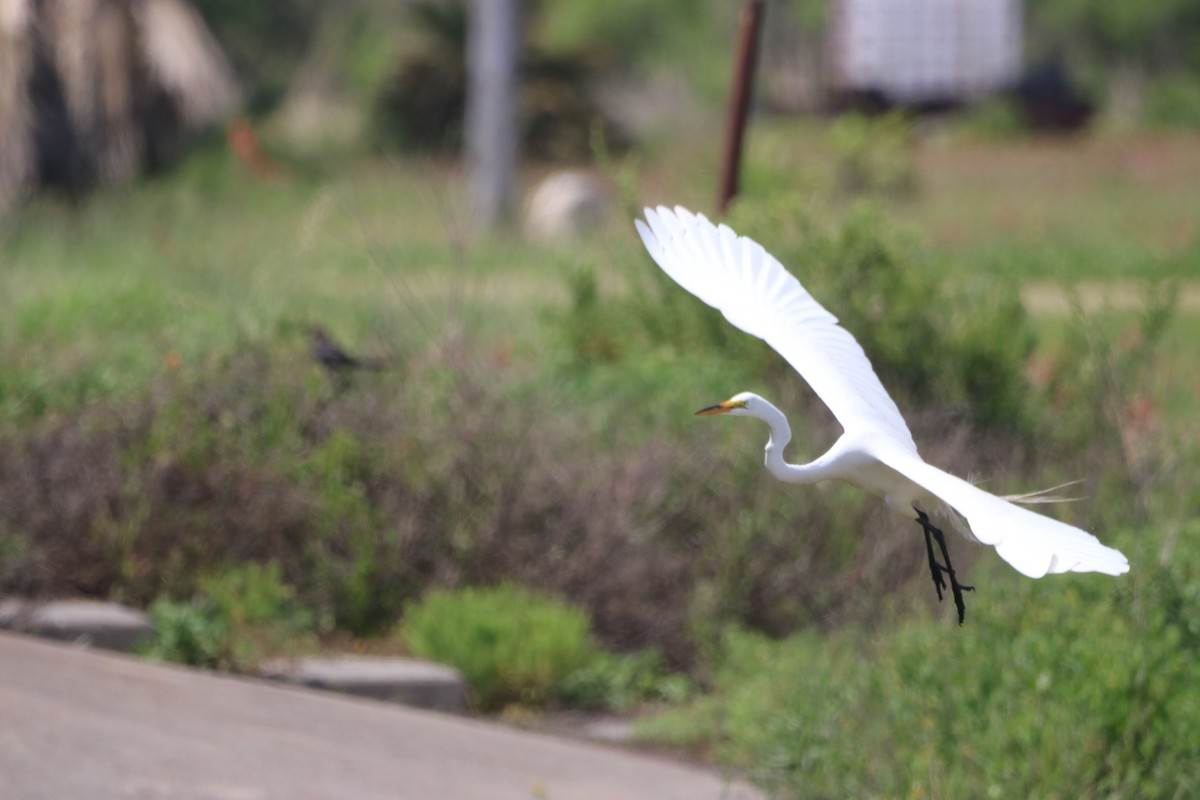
(876, 451)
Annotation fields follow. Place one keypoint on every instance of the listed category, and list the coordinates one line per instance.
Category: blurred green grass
(1061, 209)
(96, 294)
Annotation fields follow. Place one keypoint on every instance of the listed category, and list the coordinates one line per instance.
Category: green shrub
(937, 339)
(255, 595)
(510, 644)
(422, 105)
(995, 119)
(188, 633)
(1075, 686)
(874, 155)
(1174, 102)
(623, 681)
(240, 615)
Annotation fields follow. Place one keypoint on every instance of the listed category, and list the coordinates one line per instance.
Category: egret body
(876, 451)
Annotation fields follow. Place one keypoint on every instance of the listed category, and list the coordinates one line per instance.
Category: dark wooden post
(750, 23)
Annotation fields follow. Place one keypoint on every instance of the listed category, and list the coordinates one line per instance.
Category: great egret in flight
(876, 451)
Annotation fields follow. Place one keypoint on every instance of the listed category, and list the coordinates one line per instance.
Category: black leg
(935, 568)
(932, 532)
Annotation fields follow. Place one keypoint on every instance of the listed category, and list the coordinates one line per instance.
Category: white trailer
(924, 52)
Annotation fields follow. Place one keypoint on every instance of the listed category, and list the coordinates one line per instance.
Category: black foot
(938, 569)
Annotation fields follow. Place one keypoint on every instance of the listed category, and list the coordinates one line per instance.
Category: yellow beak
(719, 408)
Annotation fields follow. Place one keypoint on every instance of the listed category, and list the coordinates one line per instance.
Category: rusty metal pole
(749, 26)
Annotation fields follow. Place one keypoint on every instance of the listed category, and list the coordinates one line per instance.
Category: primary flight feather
(876, 451)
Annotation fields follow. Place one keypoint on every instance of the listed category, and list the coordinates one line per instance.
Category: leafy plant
(240, 615)
(255, 595)
(1174, 102)
(188, 633)
(422, 105)
(936, 340)
(623, 681)
(874, 155)
(996, 119)
(1064, 688)
(510, 644)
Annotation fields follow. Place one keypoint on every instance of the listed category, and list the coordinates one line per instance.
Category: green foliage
(1174, 102)
(340, 471)
(692, 39)
(996, 119)
(874, 155)
(640, 37)
(1073, 687)
(188, 633)
(1107, 40)
(510, 644)
(264, 40)
(421, 107)
(421, 104)
(1097, 376)
(934, 338)
(622, 682)
(240, 615)
(254, 595)
(1156, 36)
(15, 552)
(654, 316)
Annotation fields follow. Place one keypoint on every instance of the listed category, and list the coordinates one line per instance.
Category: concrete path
(78, 723)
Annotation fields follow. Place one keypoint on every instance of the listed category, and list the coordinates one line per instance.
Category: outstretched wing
(1034, 545)
(752, 289)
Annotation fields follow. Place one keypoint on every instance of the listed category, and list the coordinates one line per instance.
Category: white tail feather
(1040, 496)
(1033, 544)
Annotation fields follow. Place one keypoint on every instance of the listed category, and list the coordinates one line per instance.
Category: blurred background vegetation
(526, 459)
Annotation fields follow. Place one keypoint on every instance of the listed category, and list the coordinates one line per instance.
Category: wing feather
(758, 295)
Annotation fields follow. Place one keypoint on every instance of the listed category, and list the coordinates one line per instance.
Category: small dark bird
(332, 357)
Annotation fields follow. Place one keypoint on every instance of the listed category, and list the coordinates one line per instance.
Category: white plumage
(876, 451)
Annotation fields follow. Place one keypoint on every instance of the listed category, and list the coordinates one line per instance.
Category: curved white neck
(781, 434)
